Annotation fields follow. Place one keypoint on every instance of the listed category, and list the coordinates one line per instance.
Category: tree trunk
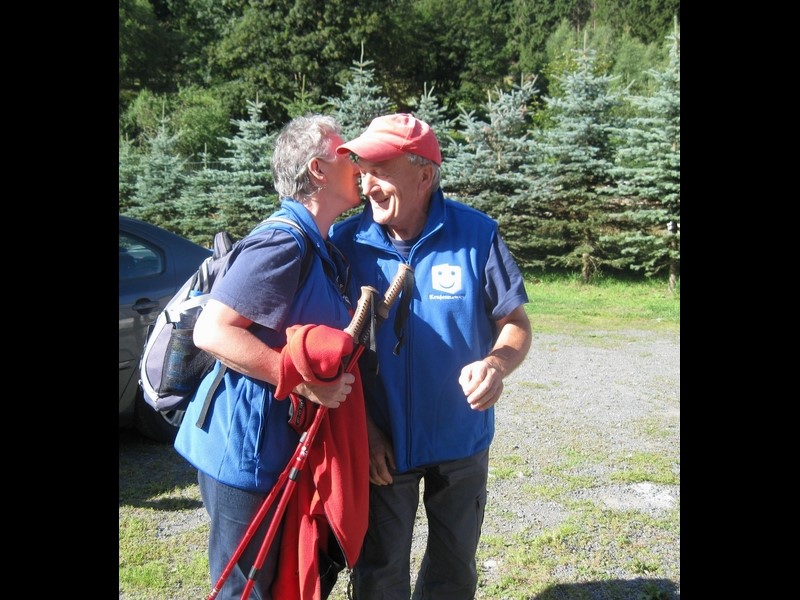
(673, 274)
(585, 271)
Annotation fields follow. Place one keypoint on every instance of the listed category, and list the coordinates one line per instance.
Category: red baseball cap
(390, 136)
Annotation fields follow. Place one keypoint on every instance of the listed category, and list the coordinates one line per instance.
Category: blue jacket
(464, 281)
(246, 441)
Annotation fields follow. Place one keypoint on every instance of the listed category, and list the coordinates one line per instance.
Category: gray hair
(300, 140)
(416, 159)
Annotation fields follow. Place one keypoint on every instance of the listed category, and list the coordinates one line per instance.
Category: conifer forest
(558, 118)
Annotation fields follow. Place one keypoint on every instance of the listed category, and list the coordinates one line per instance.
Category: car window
(138, 258)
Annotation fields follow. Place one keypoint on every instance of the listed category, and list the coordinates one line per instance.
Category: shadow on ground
(149, 470)
(614, 589)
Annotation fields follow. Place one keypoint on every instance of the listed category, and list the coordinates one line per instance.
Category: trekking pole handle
(361, 314)
(394, 289)
(366, 304)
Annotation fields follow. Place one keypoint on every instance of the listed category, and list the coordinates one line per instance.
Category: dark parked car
(153, 264)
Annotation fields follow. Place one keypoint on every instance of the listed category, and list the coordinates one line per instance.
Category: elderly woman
(246, 440)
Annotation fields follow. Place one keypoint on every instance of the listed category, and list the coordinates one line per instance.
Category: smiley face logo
(446, 278)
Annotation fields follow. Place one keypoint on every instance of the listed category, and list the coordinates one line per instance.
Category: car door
(146, 284)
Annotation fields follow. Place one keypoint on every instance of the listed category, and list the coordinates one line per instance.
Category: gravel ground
(603, 394)
(596, 393)
(577, 409)
(599, 394)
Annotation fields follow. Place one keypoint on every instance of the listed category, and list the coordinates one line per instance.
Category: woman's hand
(328, 394)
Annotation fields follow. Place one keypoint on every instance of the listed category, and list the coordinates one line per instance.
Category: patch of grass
(573, 458)
(654, 429)
(595, 550)
(590, 546)
(162, 544)
(525, 568)
(639, 467)
(547, 492)
(562, 304)
(155, 565)
(509, 467)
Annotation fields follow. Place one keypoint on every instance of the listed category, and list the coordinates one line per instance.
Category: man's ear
(426, 178)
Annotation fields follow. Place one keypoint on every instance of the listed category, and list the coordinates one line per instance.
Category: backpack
(172, 367)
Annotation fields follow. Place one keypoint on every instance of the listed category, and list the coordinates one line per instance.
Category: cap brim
(370, 149)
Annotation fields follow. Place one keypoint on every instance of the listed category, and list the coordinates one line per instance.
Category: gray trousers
(454, 500)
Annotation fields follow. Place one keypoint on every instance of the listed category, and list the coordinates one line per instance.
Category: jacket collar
(372, 233)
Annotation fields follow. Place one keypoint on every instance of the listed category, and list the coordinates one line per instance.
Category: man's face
(398, 192)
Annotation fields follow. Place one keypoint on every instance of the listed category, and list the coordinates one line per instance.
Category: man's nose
(367, 182)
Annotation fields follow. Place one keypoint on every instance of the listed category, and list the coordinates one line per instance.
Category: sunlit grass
(155, 565)
(563, 304)
(589, 546)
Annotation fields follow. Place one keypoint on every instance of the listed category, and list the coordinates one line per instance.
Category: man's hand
(381, 455)
(482, 381)
(482, 384)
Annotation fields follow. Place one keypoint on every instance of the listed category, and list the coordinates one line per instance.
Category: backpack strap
(305, 269)
(201, 420)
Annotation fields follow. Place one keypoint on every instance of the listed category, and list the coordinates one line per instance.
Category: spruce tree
(361, 100)
(484, 166)
(160, 181)
(570, 196)
(248, 195)
(201, 198)
(428, 108)
(128, 174)
(649, 175)
(302, 103)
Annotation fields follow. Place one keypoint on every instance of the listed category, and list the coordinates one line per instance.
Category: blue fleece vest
(416, 397)
(246, 441)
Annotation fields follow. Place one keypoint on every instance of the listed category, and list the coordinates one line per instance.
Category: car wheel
(158, 426)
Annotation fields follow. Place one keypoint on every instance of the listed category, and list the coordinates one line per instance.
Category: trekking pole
(289, 475)
(358, 331)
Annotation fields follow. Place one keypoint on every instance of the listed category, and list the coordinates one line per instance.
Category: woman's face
(341, 178)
